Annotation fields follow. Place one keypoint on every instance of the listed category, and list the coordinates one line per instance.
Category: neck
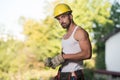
(71, 27)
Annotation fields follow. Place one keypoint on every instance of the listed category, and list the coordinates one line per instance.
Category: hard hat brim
(68, 12)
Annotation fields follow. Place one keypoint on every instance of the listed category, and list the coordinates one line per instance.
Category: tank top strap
(74, 30)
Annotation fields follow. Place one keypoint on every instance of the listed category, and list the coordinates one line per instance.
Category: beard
(66, 25)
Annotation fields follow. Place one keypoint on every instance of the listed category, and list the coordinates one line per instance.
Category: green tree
(105, 29)
(115, 14)
(42, 39)
(10, 50)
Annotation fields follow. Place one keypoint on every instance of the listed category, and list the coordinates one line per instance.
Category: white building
(112, 51)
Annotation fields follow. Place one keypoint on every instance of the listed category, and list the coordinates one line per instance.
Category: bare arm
(85, 45)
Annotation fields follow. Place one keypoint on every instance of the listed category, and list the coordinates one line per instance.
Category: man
(76, 47)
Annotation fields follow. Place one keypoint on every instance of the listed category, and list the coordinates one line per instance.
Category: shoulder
(81, 31)
(81, 34)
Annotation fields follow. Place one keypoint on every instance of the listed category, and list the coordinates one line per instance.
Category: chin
(64, 27)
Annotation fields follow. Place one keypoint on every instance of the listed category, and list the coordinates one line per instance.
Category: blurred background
(29, 33)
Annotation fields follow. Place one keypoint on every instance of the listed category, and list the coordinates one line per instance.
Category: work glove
(54, 62)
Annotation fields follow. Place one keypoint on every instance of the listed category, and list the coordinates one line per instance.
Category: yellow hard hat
(61, 8)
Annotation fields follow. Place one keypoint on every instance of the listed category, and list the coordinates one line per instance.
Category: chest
(67, 35)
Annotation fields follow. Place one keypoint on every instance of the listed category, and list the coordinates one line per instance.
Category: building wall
(112, 53)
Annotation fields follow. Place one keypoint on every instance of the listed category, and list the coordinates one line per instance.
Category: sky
(12, 10)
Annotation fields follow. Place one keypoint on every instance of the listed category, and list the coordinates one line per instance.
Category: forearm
(78, 56)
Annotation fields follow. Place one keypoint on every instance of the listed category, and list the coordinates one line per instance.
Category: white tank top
(71, 46)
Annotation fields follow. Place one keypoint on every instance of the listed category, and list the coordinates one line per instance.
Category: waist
(72, 66)
(77, 71)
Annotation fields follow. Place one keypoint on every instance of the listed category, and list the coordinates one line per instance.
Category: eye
(63, 16)
(58, 18)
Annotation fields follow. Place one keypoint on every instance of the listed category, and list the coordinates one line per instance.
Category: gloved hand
(48, 62)
(54, 62)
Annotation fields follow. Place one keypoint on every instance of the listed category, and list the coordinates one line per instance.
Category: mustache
(63, 23)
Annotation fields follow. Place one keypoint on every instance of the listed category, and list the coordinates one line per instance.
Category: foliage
(10, 57)
(103, 31)
(88, 74)
(115, 14)
(100, 61)
(42, 38)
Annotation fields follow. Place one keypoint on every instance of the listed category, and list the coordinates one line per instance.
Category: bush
(88, 74)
